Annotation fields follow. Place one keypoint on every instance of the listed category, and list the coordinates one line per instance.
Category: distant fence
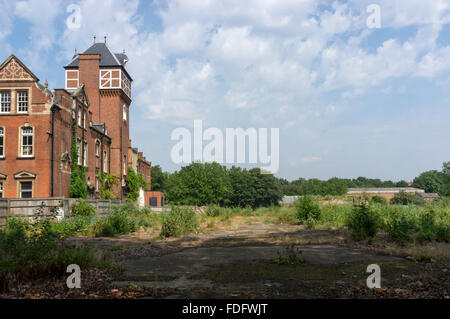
(46, 207)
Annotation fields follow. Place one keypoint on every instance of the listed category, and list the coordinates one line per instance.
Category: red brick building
(36, 126)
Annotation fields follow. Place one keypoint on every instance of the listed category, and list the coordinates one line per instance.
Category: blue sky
(349, 100)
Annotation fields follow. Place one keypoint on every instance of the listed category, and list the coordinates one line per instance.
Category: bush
(83, 208)
(363, 221)
(73, 225)
(399, 228)
(379, 200)
(32, 251)
(307, 208)
(117, 222)
(428, 228)
(403, 198)
(178, 221)
(212, 211)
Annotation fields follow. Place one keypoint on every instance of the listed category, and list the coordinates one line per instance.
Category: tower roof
(107, 58)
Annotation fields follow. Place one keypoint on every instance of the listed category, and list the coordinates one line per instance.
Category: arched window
(26, 149)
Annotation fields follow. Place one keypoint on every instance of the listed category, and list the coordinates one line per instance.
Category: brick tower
(108, 86)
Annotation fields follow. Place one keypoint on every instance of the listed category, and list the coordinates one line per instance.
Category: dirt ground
(239, 260)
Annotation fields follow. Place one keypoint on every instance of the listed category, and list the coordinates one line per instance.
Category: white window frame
(79, 116)
(126, 85)
(77, 79)
(1, 189)
(109, 78)
(22, 145)
(2, 142)
(21, 100)
(28, 191)
(5, 103)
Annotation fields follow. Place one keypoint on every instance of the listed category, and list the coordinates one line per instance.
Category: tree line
(202, 184)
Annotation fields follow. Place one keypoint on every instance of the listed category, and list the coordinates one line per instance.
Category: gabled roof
(107, 59)
(80, 93)
(16, 69)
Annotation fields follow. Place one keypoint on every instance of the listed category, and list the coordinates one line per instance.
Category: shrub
(379, 200)
(73, 225)
(399, 228)
(428, 227)
(83, 208)
(178, 221)
(31, 251)
(307, 208)
(212, 211)
(117, 222)
(363, 221)
(403, 198)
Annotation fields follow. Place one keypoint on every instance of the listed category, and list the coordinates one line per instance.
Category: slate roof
(108, 59)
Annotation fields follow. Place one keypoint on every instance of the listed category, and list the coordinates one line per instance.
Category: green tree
(401, 184)
(158, 178)
(430, 181)
(199, 184)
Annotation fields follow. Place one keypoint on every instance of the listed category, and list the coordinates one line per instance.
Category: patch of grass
(290, 256)
(178, 221)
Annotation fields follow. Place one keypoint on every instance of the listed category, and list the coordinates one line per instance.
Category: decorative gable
(14, 70)
(81, 95)
(24, 175)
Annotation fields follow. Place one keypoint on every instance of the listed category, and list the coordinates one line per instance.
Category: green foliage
(430, 182)
(291, 256)
(200, 185)
(107, 182)
(212, 211)
(117, 222)
(403, 198)
(135, 182)
(399, 227)
(78, 187)
(83, 208)
(379, 200)
(73, 226)
(31, 251)
(307, 208)
(178, 221)
(428, 227)
(252, 188)
(158, 179)
(363, 221)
